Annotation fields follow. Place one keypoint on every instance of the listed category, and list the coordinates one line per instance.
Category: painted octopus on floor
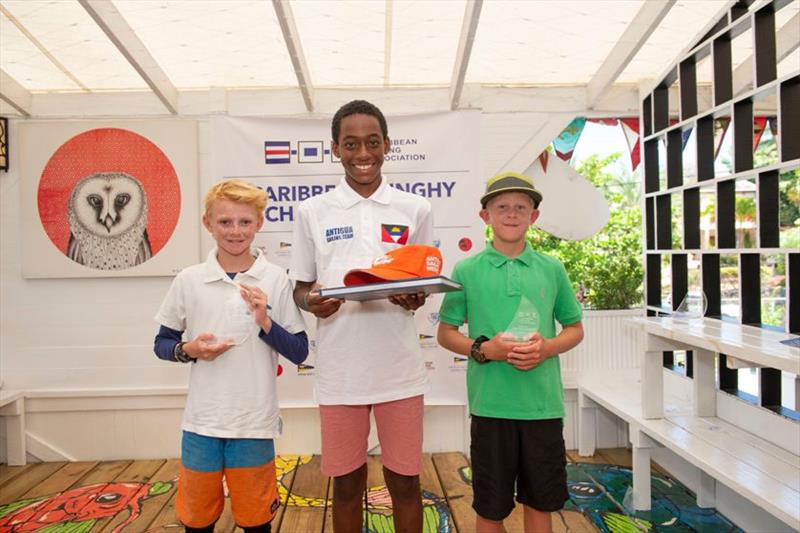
(77, 510)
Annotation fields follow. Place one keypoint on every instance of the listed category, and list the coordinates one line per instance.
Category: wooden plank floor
(139, 497)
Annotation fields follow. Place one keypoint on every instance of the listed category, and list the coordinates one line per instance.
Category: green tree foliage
(608, 265)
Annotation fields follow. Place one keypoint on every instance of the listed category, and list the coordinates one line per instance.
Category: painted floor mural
(139, 496)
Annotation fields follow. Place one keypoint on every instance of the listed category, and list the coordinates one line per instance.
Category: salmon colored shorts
(345, 429)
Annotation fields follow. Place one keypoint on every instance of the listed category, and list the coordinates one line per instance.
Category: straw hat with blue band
(510, 182)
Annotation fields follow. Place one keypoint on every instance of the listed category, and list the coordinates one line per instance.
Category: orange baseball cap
(407, 262)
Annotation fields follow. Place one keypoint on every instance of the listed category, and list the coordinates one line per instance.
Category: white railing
(607, 344)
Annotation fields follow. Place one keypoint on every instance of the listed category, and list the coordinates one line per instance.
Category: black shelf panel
(651, 165)
(726, 214)
(687, 74)
(711, 284)
(768, 205)
(647, 116)
(765, 53)
(750, 288)
(674, 158)
(743, 135)
(789, 94)
(680, 279)
(793, 294)
(653, 285)
(691, 218)
(664, 222)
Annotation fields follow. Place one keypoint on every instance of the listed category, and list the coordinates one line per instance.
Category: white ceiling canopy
(170, 47)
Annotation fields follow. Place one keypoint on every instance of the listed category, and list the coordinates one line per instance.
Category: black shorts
(530, 453)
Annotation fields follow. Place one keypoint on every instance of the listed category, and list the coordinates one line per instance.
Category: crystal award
(693, 305)
(525, 322)
(238, 322)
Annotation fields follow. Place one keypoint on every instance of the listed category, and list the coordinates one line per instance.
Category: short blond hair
(237, 191)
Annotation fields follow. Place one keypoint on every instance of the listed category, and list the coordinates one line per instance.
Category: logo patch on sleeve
(394, 233)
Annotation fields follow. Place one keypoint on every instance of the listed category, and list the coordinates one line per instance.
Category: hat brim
(374, 275)
(533, 193)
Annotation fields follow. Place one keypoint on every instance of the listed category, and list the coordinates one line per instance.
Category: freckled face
(361, 147)
(233, 226)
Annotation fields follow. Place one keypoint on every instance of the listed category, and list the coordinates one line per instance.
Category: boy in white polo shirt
(368, 354)
(237, 311)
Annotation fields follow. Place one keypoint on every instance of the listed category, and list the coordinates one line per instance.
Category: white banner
(435, 156)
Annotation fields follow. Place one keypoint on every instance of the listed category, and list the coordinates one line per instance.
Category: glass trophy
(525, 322)
(693, 305)
(238, 322)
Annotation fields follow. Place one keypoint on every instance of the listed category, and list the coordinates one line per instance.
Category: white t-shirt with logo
(233, 396)
(367, 352)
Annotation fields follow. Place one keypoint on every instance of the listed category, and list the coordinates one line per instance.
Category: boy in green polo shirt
(511, 299)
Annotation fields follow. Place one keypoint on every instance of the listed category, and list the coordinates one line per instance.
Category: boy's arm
(571, 335)
(307, 298)
(495, 349)
(293, 347)
(165, 341)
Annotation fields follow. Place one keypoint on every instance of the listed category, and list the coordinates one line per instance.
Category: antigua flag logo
(276, 152)
(394, 233)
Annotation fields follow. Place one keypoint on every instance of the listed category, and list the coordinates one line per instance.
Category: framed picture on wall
(108, 199)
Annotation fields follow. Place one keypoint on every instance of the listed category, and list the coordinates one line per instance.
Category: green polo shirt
(493, 286)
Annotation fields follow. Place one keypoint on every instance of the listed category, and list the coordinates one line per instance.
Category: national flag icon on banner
(276, 152)
(394, 233)
(310, 152)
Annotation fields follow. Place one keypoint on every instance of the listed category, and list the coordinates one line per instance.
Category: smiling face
(361, 147)
(233, 226)
(510, 214)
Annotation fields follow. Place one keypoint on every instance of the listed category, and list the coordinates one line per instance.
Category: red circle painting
(109, 199)
(465, 244)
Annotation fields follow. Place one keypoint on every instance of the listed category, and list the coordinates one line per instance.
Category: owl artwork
(107, 215)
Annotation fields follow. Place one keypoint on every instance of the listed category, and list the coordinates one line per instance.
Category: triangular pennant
(544, 157)
(630, 126)
(565, 143)
(759, 125)
(720, 129)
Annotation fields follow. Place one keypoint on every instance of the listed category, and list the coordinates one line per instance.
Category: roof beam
(15, 94)
(387, 42)
(786, 41)
(472, 14)
(286, 20)
(635, 35)
(117, 29)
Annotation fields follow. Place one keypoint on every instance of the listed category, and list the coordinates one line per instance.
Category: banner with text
(435, 156)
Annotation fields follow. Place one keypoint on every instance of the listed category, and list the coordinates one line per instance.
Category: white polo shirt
(233, 396)
(367, 352)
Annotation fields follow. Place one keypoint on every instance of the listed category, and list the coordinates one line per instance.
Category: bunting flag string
(564, 144)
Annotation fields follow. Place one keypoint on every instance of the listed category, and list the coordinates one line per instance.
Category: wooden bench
(760, 471)
(706, 337)
(12, 409)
